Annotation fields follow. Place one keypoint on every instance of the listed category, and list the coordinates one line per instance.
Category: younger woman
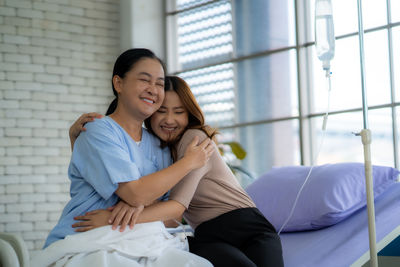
(229, 229)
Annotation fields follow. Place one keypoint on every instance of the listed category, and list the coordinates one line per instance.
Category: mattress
(346, 242)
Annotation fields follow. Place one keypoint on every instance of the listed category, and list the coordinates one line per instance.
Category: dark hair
(124, 63)
(195, 114)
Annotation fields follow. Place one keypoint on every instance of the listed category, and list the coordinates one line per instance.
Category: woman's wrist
(187, 163)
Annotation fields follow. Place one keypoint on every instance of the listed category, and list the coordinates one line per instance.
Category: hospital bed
(328, 221)
(346, 243)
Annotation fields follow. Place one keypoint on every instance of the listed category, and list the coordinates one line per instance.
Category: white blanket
(147, 244)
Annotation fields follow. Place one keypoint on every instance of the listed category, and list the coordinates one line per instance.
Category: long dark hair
(196, 116)
(124, 63)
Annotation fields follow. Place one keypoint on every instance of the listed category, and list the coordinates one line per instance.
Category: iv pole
(366, 140)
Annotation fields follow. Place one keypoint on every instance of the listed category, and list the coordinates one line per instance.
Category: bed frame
(346, 243)
(380, 245)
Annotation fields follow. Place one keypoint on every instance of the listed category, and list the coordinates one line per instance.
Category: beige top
(209, 191)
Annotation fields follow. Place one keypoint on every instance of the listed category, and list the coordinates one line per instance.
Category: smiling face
(141, 90)
(171, 119)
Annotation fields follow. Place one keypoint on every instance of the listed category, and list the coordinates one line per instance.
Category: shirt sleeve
(184, 191)
(101, 160)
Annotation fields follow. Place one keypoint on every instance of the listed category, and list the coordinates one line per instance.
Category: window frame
(304, 75)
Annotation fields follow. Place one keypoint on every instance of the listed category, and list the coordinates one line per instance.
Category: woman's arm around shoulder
(152, 186)
(79, 126)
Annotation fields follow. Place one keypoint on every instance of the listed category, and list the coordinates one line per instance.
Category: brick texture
(56, 58)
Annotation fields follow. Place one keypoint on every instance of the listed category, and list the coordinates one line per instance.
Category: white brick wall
(56, 59)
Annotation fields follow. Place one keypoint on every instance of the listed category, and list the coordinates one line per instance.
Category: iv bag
(324, 32)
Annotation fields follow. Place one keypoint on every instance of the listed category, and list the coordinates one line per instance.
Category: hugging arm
(79, 126)
(150, 187)
(183, 192)
(168, 211)
(101, 146)
(120, 214)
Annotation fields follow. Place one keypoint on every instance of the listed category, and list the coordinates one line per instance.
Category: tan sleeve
(184, 191)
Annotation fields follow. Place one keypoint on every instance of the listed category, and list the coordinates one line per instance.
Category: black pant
(241, 237)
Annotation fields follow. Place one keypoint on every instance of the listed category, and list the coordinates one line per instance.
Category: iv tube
(329, 85)
(325, 46)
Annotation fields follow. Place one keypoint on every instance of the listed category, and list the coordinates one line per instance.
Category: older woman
(115, 158)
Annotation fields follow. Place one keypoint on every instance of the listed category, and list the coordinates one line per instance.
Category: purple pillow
(332, 193)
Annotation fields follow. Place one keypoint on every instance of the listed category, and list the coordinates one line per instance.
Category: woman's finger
(85, 120)
(135, 216)
(205, 143)
(126, 219)
(114, 214)
(119, 218)
(93, 212)
(84, 229)
(194, 142)
(111, 208)
(82, 218)
(94, 115)
(134, 219)
(84, 115)
(82, 224)
(132, 222)
(209, 149)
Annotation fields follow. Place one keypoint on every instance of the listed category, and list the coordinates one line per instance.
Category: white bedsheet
(147, 244)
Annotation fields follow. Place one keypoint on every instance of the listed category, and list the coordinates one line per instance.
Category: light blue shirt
(105, 155)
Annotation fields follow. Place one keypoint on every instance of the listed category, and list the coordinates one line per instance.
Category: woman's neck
(130, 124)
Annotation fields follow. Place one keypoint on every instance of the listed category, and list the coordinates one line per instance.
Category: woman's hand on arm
(150, 187)
(198, 154)
(121, 214)
(124, 214)
(91, 220)
(79, 124)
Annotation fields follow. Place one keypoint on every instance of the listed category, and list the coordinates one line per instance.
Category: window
(204, 37)
(396, 62)
(395, 10)
(256, 75)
